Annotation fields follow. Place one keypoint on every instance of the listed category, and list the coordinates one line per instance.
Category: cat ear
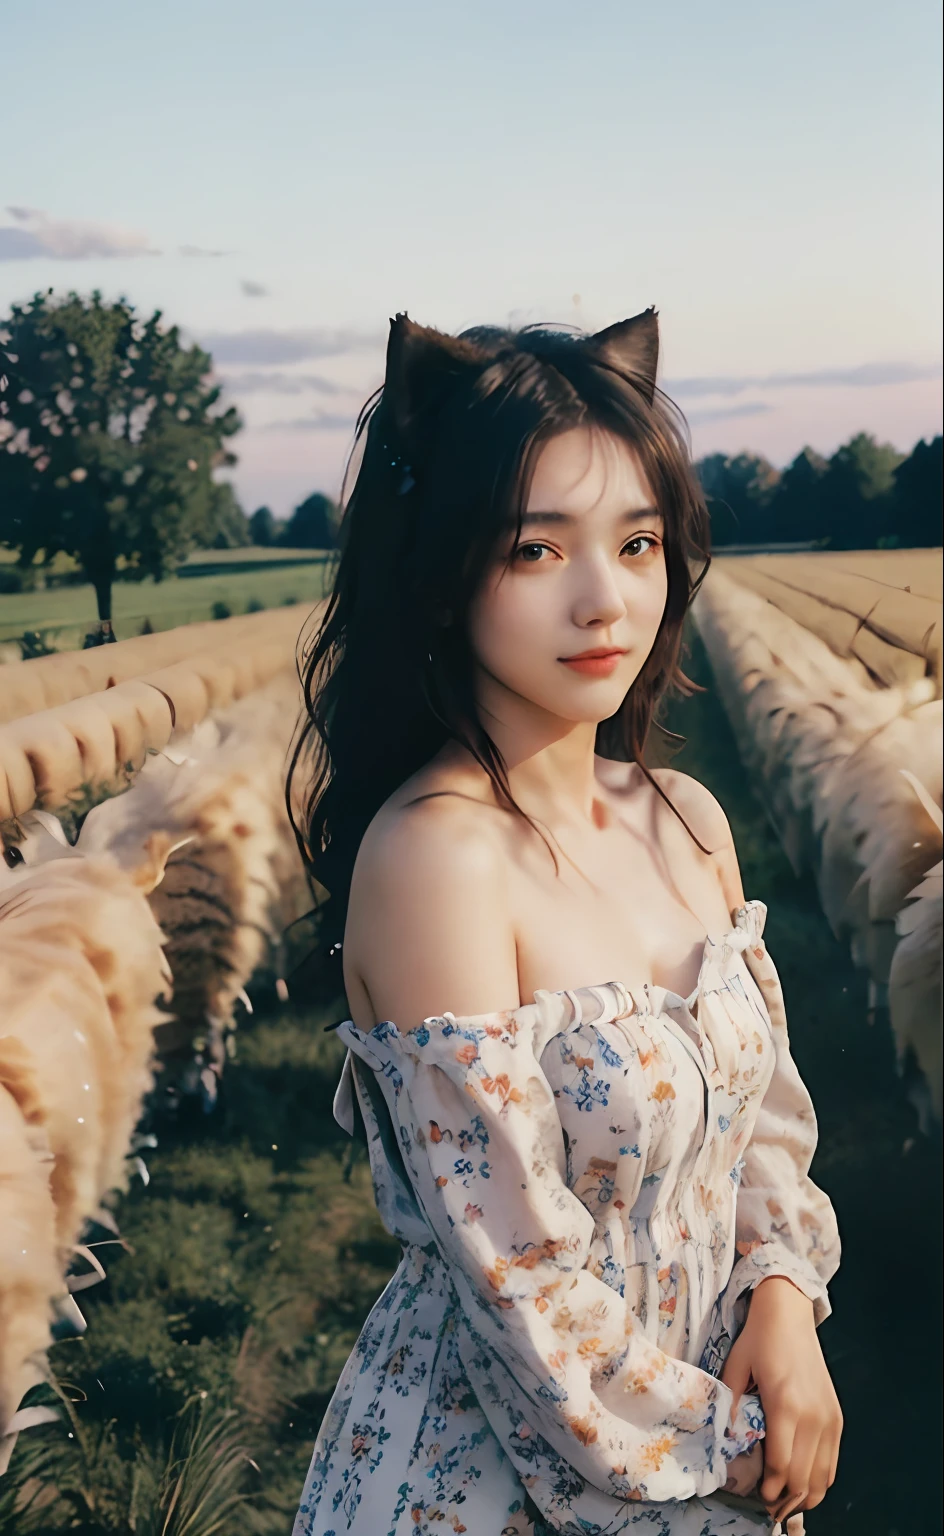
(422, 366)
(632, 346)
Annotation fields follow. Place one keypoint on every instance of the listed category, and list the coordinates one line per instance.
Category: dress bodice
(587, 1187)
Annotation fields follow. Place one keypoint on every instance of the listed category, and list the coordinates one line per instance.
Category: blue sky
(281, 178)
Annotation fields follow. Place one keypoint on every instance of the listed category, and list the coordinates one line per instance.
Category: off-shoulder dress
(585, 1188)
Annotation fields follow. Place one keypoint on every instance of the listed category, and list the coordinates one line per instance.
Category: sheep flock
(829, 669)
(148, 868)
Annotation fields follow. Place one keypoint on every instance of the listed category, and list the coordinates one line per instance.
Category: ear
(632, 346)
(422, 365)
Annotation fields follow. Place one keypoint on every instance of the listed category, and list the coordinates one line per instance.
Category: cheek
(650, 603)
(507, 620)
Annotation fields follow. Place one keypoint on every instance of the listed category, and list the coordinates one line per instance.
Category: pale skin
(455, 903)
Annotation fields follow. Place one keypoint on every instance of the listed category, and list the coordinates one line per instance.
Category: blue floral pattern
(586, 1188)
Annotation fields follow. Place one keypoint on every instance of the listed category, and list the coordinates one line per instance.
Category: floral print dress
(586, 1188)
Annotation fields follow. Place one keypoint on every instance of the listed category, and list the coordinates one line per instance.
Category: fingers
(823, 1471)
(810, 1471)
(807, 1445)
(778, 1451)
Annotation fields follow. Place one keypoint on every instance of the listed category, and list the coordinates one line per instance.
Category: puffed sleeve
(481, 1142)
(785, 1225)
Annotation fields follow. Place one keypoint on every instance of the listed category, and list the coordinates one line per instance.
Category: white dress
(585, 1188)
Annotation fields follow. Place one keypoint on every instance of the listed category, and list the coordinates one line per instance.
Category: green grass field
(255, 1252)
(236, 577)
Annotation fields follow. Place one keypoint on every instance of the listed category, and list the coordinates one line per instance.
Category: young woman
(567, 1045)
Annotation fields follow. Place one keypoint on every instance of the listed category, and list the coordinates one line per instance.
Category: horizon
(783, 213)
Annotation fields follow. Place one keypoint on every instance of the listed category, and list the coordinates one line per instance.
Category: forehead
(587, 469)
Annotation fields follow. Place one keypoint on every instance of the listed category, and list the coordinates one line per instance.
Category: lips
(597, 663)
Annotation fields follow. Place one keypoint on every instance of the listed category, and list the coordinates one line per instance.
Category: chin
(582, 711)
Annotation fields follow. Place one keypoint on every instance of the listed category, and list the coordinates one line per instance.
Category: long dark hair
(450, 442)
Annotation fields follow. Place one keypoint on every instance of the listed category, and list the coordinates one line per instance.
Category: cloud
(200, 251)
(253, 290)
(726, 413)
(865, 376)
(264, 346)
(36, 235)
(277, 382)
(325, 421)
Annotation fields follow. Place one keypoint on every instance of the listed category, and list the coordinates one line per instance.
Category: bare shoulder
(428, 839)
(710, 824)
(695, 801)
(698, 805)
(428, 927)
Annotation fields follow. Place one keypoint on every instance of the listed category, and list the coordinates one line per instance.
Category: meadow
(238, 578)
(254, 1253)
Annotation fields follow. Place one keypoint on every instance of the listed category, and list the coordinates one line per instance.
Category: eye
(12, 857)
(529, 554)
(642, 538)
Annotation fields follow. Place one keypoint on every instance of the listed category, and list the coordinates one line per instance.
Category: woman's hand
(778, 1353)
(744, 1473)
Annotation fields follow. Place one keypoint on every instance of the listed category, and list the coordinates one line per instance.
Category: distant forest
(867, 496)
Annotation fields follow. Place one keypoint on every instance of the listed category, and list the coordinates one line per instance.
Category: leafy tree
(232, 523)
(111, 438)
(857, 492)
(313, 524)
(798, 510)
(739, 492)
(918, 494)
(262, 528)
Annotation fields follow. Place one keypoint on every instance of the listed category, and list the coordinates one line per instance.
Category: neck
(550, 761)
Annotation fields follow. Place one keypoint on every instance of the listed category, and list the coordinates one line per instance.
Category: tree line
(112, 434)
(867, 496)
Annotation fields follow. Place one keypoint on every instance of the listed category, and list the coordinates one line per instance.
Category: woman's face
(587, 574)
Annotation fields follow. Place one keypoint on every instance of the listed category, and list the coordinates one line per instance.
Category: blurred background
(210, 214)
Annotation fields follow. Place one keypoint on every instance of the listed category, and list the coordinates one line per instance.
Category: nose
(598, 601)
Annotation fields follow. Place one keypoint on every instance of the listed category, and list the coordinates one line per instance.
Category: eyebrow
(642, 514)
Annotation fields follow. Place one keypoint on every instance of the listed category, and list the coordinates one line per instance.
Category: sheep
(914, 983)
(223, 899)
(82, 973)
(824, 745)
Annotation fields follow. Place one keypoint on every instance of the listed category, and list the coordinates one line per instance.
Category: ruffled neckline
(601, 1003)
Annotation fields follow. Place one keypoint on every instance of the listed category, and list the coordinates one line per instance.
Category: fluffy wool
(824, 746)
(81, 969)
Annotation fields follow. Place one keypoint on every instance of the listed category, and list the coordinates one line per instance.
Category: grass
(255, 1252)
(234, 577)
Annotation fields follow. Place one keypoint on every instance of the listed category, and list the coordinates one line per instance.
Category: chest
(655, 1102)
(600, 923)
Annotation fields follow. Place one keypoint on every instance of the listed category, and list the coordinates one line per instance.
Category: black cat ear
(422, 366)
(632, 346)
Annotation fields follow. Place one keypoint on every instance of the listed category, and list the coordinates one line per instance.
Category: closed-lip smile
(602, 661)
(601, 650)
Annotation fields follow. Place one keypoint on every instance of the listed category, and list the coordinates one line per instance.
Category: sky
(281, 179)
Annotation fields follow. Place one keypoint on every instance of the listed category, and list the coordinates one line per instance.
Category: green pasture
(237, 577)
(255, 1253)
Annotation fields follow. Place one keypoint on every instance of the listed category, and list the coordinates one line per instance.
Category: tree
(797, 511)
(857, 492)
(738, 491)
(111, 440)
(262, 528)
(232, 524)
(917, 496)
(313, 524)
